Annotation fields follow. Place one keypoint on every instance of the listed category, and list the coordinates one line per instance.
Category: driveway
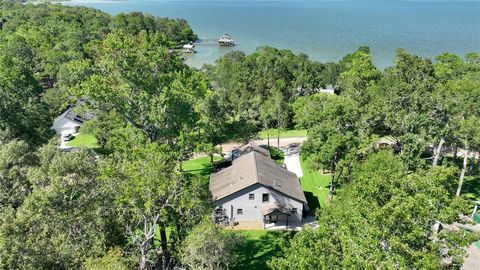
(63, 144)
(292, 163)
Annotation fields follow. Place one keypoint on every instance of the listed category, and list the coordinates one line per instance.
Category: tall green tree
(152, 195)
(407, 106)
(360, 78)
(460, 98)
(16, 158)
(145, 84)
(333, 133)
(22, 113)
(64, 220)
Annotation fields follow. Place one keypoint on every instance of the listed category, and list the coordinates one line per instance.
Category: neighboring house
(67, 123)
(329, 89)
(255, 190)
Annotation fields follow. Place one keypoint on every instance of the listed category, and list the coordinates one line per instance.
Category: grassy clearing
(315, 185)
(291, 133)
(200, 165)
(83, 140)
(259, 248)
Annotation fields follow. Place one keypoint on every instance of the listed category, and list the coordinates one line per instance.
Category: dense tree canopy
(63, 220)
(256, 90)
(384, 220)
(22, 113)
(128, 204)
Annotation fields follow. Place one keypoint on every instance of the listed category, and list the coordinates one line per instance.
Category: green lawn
(291, 133)
(259, 248)
(83, 140)
(315, 185)
(200, 165)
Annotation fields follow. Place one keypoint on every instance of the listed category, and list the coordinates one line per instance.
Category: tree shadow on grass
(471, 188)
(312, 200)
(255, 253)
(203, 171)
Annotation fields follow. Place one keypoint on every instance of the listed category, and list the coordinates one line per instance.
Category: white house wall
(252, 209)
(65, 125)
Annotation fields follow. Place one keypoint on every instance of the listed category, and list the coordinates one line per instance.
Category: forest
(128, 203)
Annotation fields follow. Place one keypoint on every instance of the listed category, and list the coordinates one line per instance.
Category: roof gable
(251, 147)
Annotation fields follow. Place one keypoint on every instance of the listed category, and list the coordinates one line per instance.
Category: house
(329, 89)
(67, 123)
(257, 192)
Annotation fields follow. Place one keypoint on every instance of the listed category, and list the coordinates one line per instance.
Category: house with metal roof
(254, 190)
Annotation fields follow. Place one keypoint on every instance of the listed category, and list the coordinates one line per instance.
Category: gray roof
(70, 115)
(253, 147)
(74, 117)
(253, 168)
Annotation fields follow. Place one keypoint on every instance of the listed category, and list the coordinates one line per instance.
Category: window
(265, 197)
(294, 210)
(251, 196)
(239, 211)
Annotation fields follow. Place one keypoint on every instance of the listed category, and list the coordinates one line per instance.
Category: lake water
(325, 30)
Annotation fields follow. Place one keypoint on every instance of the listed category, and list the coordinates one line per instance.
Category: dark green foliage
(383, 219)
(56, 34)
(255, 91)
(64, 219)
(62, 210)
(177, 30)
(22, 114)
(15, 159)
(276, 153)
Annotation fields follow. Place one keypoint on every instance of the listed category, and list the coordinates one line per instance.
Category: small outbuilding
(67, 123)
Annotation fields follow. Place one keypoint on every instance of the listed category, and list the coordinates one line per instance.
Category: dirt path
(284, 142)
